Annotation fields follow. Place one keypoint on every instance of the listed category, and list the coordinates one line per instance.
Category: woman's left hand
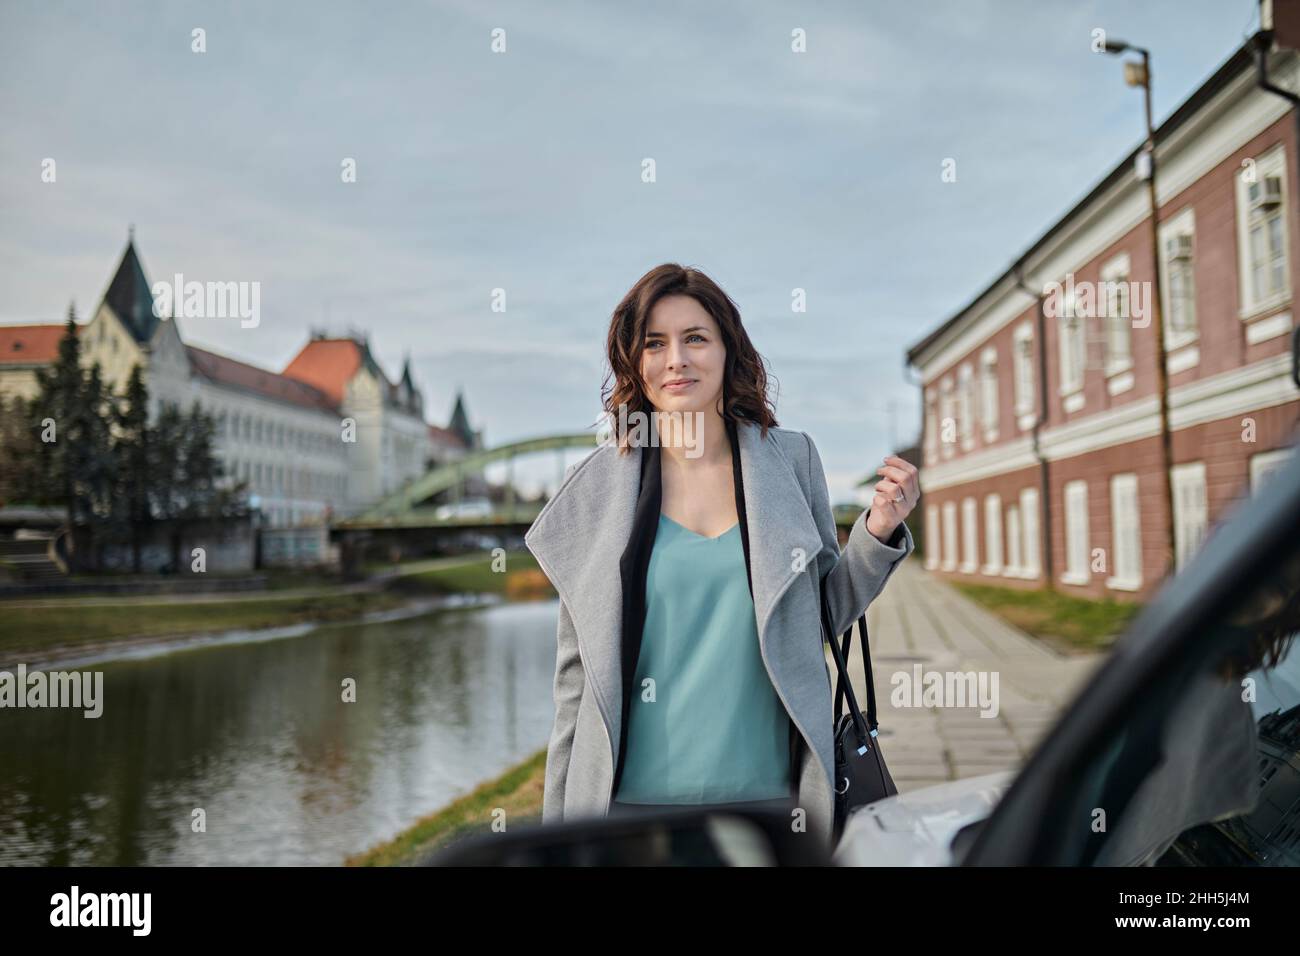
(896, 495)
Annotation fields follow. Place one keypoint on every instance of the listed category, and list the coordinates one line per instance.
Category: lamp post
(1138, 73)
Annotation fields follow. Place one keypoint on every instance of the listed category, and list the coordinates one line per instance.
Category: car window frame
(1249, 539)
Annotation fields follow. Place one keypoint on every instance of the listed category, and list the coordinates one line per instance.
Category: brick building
(1042, 451)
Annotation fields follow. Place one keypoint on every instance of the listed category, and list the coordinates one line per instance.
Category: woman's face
(684, 360)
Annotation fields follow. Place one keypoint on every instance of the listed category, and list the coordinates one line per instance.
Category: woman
(690, 665)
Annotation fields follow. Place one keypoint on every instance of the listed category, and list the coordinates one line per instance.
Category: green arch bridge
(410, 509)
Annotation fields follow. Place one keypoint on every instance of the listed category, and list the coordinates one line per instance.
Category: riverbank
(517, 793)
(50, 629)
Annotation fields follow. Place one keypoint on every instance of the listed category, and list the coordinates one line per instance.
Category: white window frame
(1118, 313)
(1126, 533)
(946, 411)
(1012, 568)
(1264, 463)
(1182, 224)
(1271, 163)
(966, 406)
(949, 536)
(1191, 517)
(1072, 353)
(1077, 553)
(992, 535)
(933, 547)
(1022, 360)
(969, 536)
(989, 410)
(931, 424)
(1031, 566)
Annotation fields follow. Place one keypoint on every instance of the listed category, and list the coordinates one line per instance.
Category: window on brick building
(932, 545)
(1126, 541)
(1073, 352)
(992, 534)
(1012, 568)
(949, 535)
(1029, 522)
(1261, 226)
(1178, 286)
(946, 424)
(969, 536)
(1264, 464)
(1267, 265)
(1076, 533)
(1190, 514)
(989, 393)
(931, 425)
(966, 406)
(1023, 361)
(1114, 296)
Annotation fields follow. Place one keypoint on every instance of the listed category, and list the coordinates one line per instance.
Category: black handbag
(861, 776)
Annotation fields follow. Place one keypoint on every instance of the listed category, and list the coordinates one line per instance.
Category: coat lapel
(783, 537)
(580, 535)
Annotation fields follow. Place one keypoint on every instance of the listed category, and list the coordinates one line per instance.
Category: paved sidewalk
(919, 619)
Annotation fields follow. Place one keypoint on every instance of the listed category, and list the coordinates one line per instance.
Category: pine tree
(71, 418)
(201, 470)
(198, 472)
(132, 444)
(166, 443)
(56, 413)
(19, 454)
(96, 477)
(98, 456)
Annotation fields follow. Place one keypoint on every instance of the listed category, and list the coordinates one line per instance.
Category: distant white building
(328, 435)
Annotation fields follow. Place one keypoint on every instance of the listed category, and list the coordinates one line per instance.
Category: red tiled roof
(446, 436)
(228, 371)
(327, 364)
(25, 344)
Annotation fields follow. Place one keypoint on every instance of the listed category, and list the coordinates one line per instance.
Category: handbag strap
(859, 722)
(866, 670)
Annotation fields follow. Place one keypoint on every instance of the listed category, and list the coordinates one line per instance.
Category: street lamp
(1138, 73)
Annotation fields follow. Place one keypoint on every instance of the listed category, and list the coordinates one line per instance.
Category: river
(256, 734)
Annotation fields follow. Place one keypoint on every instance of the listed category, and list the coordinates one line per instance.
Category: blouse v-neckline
(702, 537)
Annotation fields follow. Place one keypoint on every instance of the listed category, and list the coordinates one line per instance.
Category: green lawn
(1068, 623)
(517, 792)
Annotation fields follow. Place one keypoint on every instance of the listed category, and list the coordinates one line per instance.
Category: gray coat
(578, 539)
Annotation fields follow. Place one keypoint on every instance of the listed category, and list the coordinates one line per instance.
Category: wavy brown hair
(745, 378)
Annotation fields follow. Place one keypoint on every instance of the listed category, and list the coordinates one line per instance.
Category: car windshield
(1207, 770)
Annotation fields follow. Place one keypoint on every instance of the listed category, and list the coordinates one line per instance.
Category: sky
(522, 170)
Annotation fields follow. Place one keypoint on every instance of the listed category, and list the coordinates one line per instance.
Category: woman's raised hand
(896, 495)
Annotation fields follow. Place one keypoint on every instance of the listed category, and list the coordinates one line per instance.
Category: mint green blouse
(711, 728)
